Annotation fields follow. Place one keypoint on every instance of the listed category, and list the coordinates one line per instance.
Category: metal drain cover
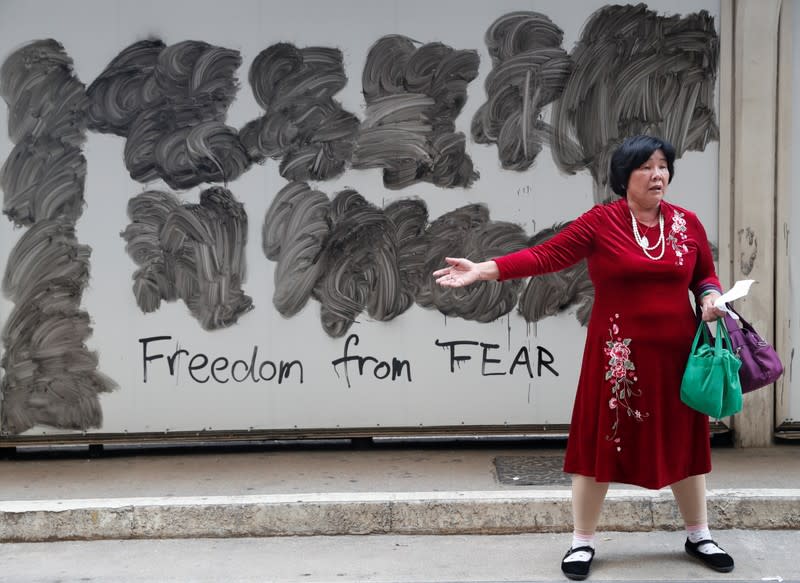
(531, 470)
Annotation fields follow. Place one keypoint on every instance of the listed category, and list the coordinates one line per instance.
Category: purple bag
(760, 363)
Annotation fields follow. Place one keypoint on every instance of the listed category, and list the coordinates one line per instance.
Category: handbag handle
(701, 329)
(722, 340)
(730, 323)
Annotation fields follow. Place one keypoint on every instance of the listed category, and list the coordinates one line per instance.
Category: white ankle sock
(582, 540)
(697, 533)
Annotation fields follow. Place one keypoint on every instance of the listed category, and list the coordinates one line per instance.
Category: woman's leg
(690, 494)
(587, 502)
(588, 496)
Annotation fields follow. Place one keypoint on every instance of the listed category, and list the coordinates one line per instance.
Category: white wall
(93, 32)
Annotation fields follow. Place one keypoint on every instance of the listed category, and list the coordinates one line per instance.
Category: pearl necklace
(644, 243)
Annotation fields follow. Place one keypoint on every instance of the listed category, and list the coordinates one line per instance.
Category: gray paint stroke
(296, 228)
(43, 176)
(353, 257)
(413, 96)
(51, 376)
(552, 293)
(410, 219)
(43, 95)
(192, 252)
(360, 266)
(43, 179)
(119, 94)
(304, 126)
(346, 253)
(529, 71)
(469, 232)
(170, 102)
(636, 72)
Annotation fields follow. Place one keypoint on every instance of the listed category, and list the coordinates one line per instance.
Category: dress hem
(658, 485)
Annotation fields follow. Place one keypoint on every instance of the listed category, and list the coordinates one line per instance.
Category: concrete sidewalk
(334, 489)
(763, 555)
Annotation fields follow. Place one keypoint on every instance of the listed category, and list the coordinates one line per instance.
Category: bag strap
(734, 326)
(701, 329)
(743, 323)
(703, 325)
(723, 339)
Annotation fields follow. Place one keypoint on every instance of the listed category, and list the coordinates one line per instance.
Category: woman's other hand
(710, 313)
(461, 272)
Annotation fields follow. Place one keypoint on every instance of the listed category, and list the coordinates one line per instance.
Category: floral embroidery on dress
(677, 236)
(621, 375)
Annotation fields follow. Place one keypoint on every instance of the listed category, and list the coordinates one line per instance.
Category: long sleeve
(573, 243)
(704, 277)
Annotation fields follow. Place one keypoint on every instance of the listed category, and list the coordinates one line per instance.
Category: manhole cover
(526, 470)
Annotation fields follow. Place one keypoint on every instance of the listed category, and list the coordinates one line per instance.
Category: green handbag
(711, 380)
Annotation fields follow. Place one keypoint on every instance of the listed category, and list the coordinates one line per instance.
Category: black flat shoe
(721, 562)
(577, 570)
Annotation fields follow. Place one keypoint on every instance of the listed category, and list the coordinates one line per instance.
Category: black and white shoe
(577, 569)
(710, 554)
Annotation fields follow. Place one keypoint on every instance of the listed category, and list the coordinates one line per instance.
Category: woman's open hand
(460, 272)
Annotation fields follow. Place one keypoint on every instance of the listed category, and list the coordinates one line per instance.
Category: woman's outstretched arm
(566, 248)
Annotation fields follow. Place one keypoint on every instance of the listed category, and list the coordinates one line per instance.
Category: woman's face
(647, 184)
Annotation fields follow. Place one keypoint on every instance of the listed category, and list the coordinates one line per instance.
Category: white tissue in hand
(739, 290)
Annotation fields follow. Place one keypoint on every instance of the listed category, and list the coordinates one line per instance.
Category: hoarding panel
(195, 326)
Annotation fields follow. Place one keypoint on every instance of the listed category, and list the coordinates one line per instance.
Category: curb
(410, 513)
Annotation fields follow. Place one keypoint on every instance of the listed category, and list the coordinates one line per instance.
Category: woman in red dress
(629, 424)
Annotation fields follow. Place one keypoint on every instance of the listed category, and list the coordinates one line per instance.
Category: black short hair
(634, 152)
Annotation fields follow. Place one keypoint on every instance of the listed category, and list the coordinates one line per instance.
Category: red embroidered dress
(628, 423)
